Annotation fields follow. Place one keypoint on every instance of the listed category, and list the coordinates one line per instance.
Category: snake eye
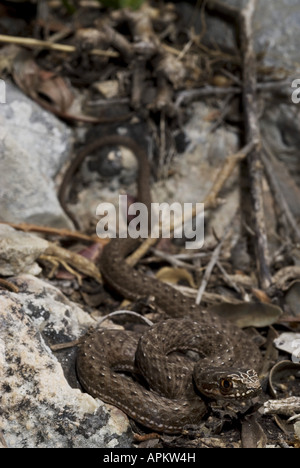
(226, 384)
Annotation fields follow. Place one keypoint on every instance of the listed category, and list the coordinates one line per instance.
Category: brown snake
(149, 377)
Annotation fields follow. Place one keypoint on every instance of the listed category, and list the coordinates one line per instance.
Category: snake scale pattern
(151, 377)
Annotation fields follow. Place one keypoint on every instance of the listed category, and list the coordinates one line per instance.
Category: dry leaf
(56, 91)
(175, 275)
(249, 314)
(284, 380)
(50, 91)
(222, 81)
(286, 277)
(43, 86)
(92, 253)
(253, 435)
(261, 296)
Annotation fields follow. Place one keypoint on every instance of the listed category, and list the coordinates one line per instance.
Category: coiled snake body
(149, 377)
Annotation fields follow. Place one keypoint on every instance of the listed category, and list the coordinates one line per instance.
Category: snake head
(228, 383)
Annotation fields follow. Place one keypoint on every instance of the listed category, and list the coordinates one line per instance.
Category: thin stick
(222, 9)
(226, 108)
(229, 165)
(252, 133)
(47, 230)
(175, 262)
(186, 96)
(228, 279)
(36, 43)
(71, 344)
(9, 285)
(267, 157)
(211, 265)
(124, 312)
(77, 261)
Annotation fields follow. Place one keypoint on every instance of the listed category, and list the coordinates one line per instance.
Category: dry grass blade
(38, 44)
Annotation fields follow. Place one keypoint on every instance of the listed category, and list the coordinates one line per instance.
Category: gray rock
(276, 30)
(39, 408)
(281, 129)
(198, 167)
(33, 146)
(18, 251)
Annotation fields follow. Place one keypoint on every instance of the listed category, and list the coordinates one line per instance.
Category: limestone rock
(18, 251)
(33, 146)
(39, 408)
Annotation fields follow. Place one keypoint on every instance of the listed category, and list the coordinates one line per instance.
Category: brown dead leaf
(284, 379)
(92, 253)
(212, 116)
(261, 296)
(50, 91)
(253, 435)
(248, 314)
(221, 81)
(285, 278)
(175, 275)
(45, 87)
(55, 90)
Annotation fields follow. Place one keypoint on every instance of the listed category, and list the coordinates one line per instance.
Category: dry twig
(252, 134)
(9, 285)
(38, 44)
(267, 158)
(287, 406)
(214, 259)
(51, 231)
(77, 261)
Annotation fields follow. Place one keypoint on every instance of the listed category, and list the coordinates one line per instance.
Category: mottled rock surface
(33, 146)
(18, 251)
(39, 407)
